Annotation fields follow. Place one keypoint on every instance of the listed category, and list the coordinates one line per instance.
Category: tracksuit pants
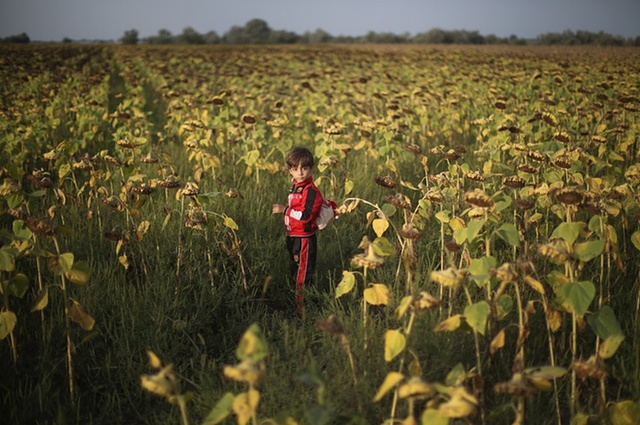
(302, 263)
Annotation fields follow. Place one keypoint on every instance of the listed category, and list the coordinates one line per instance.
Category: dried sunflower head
(592, 368)
(331, 325)
(368, 259)
(536, 156)
(527, 168)
(514, 182)
(434, 196)
(525, 204)
(385, 181)
(569, 195)
(9, 187)
(518, 386)
(450, 278)
(399, 200)
(505, 273)
(562, 162)
(150, 158)
(479, 199)
(143, 189)
(171, 182)
(112, 160)
(475, 176)
(555, 250)
(562, 136)
(413, 148)
(40, 226)
(425, 301)
(190, 189)
(249, 119)
(164, 383)
(416, 388)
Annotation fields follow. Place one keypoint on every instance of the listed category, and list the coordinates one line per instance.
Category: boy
(303, 205)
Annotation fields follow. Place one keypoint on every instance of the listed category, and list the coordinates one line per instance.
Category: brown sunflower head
(385, 181)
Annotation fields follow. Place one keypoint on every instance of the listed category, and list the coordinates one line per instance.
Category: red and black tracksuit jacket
(303, 205)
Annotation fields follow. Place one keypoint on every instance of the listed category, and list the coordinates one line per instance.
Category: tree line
(257, 31)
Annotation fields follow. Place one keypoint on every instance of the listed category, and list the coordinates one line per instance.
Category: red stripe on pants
(302, 272)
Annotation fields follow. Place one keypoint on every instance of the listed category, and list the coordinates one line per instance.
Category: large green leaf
(8, 322)
(7, 259)
(625, 412)
(480, 269)
(604, 323)
(568, 231)
(383, 247)
(18, 285)
(80, 273)
(635, 239)
(220, 411)
(477, 315)
(509, 233)
(577, 296)
(23, 233)
(587, 251)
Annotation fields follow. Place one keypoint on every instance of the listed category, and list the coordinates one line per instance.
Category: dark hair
(299, 156)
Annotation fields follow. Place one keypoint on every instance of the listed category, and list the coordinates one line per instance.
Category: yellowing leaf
(124, 261)
(228, 221)
(450, 324)
(609, 346)
(380, 225)
(80, 274)
(154, 360)
(535, 284)
(8, 322)
(78, 314)
(497, 342)
(252, 345)
(346, 284)
(348, 186)
(377, 294)
(394, 343)
(391, 380)
(42, 301)
(244, 406)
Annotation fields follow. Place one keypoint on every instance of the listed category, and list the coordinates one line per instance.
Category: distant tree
(212, 37)
(283, 37)
(164, 37)
(190, 36)
(235, 35)
(19, 38)
(316, 37)
(257, 31)
(130, 37)
(67, 40)
(385, 38)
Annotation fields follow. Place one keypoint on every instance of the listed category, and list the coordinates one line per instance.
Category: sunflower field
(483, 269)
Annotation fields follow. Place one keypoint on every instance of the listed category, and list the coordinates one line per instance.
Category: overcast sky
(53, 20)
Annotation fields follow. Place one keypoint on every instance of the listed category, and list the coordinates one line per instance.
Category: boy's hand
(277, 209)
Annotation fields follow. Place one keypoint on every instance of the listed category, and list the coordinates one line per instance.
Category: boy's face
(300, 173)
